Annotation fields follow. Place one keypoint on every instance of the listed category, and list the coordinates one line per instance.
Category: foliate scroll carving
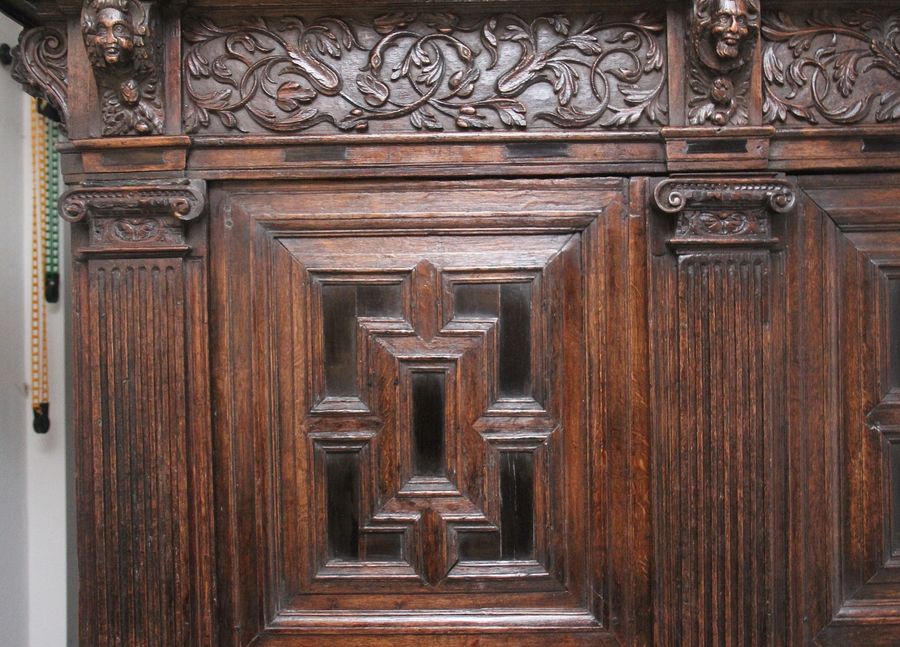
(723, 38)
(724, 209)
(424, 72)
(121, 38)
(838, 68)
(39, 64)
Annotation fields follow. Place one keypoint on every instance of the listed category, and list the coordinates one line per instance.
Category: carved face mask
(113, 37)
(730, 27)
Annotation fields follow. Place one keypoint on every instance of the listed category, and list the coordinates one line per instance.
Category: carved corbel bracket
(39, 64)
(729, 211)
(122, 39)
(135, 218)
(724, 35)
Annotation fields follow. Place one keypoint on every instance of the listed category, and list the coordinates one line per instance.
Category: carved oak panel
(862, 259)
(422, 406)
(719, 484)
(832, 67)
(424, 71)
(144, 460)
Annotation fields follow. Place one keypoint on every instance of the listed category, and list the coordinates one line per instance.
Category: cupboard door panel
(412, 406)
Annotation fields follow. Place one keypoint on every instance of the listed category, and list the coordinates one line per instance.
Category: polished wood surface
(482, 322)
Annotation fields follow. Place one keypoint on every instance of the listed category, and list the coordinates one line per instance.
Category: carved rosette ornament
(39, 64)
(120, 37)
(724, 210)
(723, 36)
(147, 217)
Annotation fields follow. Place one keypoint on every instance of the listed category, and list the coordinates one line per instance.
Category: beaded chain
(44, 257)
(51, 221)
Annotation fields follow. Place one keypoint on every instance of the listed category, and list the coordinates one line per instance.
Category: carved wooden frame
(734, 267)
(850, 473)
(251, 583)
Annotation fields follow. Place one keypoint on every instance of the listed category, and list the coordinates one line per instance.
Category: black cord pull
(42, 418)
(51, 287)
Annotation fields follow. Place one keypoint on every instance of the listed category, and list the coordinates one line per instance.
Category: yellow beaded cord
(40, 378)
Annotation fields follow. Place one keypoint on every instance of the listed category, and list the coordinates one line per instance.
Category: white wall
(13, 372)
(34, 602)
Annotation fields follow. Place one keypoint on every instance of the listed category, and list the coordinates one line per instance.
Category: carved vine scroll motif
(424, 72)
(841, 68)
(723, 37)
(121, 38)
(39, 64)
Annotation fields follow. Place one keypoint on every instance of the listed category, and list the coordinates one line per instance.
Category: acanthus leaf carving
(723, 38)
(121, 39)
(423, 72)
(813, 68)
(39, 64)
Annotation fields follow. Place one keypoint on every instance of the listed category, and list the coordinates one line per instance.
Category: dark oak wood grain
(482, 322)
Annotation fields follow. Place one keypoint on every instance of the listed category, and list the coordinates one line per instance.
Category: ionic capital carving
(724, 210)
(180, 199)
(131, 218)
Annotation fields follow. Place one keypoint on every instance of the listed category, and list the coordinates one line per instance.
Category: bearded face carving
(723, 36)
(117, 36)
(724, 32)
(730, 28)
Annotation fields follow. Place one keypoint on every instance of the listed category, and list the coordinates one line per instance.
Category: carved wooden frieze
(723, 37)
(39, 64)
(832, 67)
(122, 42)
(423, 72)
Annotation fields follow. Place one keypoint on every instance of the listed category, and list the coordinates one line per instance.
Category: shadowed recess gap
(510, 303)
(517, 505)
(894, 458)
(428, 423)
(342, 305)
(383, 546)
(894, 331)
(478, 545)
(342, 474)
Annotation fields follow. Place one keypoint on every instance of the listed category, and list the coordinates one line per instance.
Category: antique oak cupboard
(481, 323)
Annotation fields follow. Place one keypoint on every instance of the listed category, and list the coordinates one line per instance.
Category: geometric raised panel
(418, 442)
(433, 430)
(861, 219)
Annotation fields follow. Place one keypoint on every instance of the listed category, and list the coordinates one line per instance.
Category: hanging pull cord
(40, 381)
(51, 220)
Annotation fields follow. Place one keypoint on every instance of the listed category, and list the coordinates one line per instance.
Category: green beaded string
(51, 219)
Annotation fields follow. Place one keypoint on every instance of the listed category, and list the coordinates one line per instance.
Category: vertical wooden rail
(719, 458)
(142, 414)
